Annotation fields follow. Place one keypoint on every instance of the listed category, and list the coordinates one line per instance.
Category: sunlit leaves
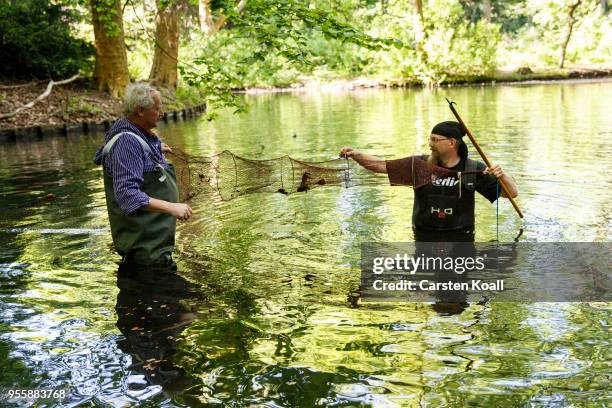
(283, 29)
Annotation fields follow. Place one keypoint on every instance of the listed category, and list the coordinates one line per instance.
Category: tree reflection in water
(154, 306)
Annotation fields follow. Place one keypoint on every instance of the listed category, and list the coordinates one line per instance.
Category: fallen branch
(39, 98)
(20, 85)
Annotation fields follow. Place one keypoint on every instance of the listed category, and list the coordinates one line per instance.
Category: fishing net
(228, 176)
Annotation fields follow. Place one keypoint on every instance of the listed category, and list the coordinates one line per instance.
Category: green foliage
(511, 15)
(214, 79)
(284, 44)
(36, 41)
(456, 48)
(233, 56)
(539, 43)
(188, 96)
(80, 105)
(287, 43)
(280, 44)
(449, 48)
(184, 96)
(269, 44)
(107, 11)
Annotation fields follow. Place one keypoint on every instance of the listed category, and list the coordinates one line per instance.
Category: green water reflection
(273, 317)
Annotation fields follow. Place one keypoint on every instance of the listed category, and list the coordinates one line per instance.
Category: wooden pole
(482, 154)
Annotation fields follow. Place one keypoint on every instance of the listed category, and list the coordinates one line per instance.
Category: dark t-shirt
(486, 184)
(443, 194)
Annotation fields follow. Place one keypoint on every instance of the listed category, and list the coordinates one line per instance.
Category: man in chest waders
(440, 212)
(140, 185)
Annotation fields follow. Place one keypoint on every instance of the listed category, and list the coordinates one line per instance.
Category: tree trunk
(604, 7)
(205, 16)
(486, 10)
(111, 68)
(419, 30)
(418, 4)
(164, 71)
(570, 21)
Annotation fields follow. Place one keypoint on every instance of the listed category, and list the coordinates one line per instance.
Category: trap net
(228, 176)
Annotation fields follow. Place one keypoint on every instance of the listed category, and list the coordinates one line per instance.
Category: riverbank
(72, 108)
(78, 107)
(74, 103)
(520, 75)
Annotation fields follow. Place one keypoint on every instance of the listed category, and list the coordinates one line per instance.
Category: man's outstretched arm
(367, 161)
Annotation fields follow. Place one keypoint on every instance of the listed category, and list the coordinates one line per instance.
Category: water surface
(265, 310)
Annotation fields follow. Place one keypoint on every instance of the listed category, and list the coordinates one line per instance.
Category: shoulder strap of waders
(145, 147)
(144, 144)
(469, 180)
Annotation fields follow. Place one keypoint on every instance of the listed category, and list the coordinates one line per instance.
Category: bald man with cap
(439, 212)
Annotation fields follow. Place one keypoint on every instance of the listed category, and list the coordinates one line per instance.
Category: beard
(434, 158)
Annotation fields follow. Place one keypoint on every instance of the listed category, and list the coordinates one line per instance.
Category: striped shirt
(127, 162)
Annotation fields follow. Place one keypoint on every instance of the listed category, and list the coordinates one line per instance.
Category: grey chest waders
(144, 238)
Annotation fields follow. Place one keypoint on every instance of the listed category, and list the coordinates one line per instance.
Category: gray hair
(136, 95)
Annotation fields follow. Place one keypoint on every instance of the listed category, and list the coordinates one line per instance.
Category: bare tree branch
(240, 7)
(39, 98)
(223, 18)
(571, 20)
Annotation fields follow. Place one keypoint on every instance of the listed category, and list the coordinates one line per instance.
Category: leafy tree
(37, 41)
(275, 30)
(511, 15)
(455, 47)
(556, 21)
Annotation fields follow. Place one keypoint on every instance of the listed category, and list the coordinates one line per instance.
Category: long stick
(482, 154)
(38, 98)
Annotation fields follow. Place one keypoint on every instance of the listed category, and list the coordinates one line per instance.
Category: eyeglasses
(436, 140)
